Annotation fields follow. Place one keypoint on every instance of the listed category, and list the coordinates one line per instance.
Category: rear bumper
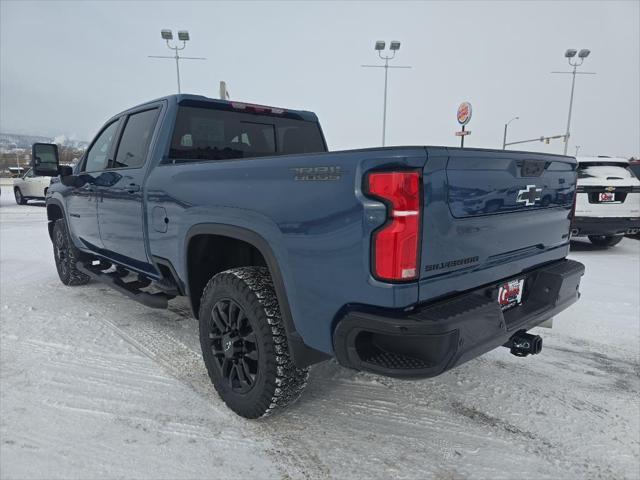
(604, 225)
(440, 336)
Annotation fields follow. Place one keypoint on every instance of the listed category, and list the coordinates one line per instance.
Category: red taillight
(395, 244)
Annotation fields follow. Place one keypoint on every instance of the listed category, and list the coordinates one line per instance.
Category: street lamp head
(584, 53)
(395, 45)
(183, 35)
(379, 45)
(570, 53)
(166, 34)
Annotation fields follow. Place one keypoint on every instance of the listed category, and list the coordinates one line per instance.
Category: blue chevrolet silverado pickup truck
(402, 261)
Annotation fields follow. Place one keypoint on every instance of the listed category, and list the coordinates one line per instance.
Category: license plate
(510, 293)
(606, 197)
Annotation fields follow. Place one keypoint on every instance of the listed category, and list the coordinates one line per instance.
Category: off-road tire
(278, 382)
(20, 200)
(67, 256)
(605, 240)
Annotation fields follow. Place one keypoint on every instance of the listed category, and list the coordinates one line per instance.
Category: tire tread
(284, 382)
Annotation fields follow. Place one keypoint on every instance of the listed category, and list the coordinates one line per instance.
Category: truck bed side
(310, 211)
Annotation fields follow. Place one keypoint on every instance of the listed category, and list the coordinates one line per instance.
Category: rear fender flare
(302, 354)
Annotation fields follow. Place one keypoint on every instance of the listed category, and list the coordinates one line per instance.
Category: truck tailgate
(490, 215)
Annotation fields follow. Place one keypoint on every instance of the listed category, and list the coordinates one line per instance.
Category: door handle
(132, 188)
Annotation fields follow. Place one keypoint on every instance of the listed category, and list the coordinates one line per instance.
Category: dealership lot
(94, 385)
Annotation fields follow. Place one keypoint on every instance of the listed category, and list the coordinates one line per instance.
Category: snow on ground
(93, 385)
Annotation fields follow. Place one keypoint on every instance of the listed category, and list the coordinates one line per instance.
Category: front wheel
(244, 344)
(605, 240)
(67, 255)
(20, 200)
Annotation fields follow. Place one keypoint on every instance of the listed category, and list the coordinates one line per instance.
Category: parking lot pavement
(93, 385)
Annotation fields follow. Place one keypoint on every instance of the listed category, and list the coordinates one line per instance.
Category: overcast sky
(68, 66)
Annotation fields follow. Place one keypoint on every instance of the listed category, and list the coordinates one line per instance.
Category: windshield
(607, 170)
(209, 134)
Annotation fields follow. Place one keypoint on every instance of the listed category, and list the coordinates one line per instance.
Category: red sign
(464, 113)
(462, 134)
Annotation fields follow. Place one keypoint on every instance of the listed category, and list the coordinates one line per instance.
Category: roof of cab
(184, 97)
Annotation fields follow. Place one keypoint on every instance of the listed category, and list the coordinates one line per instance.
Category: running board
(130, 289)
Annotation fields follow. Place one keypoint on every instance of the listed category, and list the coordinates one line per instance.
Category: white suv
(608, 201)
(30, 187)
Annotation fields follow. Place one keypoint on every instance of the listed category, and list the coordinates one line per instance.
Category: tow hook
(522, 344)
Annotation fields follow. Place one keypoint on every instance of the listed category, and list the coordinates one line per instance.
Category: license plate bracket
(510, 293)
(605, 197)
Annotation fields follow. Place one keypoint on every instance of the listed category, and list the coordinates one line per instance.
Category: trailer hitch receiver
(522, 344)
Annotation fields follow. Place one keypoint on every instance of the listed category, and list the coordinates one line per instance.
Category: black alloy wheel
(234, 345)
(244, 343)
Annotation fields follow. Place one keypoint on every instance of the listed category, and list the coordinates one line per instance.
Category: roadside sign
(463, 133)
(464, 113)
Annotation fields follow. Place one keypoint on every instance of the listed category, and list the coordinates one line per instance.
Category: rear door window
(210, 134)
(135, 140)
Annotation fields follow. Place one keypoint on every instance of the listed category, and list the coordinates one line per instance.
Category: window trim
(93, 142)
(125, 121)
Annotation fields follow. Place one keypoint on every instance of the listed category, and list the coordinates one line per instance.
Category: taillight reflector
(572, 214)
(395, 244)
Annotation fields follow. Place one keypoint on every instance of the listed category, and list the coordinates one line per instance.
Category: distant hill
(9, 141)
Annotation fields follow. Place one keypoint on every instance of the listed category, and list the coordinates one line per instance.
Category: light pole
(183, 36)
(394, 46)
(504, 138)
(569, 55)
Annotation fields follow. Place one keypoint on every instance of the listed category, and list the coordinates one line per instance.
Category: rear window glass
(609, 171)
(208, 134)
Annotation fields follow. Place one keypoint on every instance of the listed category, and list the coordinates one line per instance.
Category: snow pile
(94, 385)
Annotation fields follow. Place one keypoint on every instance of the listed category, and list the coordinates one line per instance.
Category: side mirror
(65, 170)
(44, 160)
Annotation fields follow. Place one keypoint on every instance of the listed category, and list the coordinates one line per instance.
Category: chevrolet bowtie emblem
(529, 195)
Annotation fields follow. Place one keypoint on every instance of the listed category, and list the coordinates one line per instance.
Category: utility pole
(394, 46)
(504, 138)
(569, 55)
(183, 36)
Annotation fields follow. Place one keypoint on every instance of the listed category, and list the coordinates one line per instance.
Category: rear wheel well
(208, 255)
